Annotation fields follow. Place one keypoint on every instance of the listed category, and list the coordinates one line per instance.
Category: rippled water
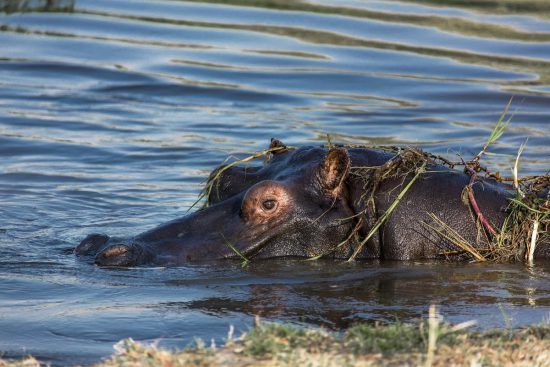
(113, 113)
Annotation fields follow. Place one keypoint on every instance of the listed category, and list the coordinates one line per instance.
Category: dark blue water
(113, 113)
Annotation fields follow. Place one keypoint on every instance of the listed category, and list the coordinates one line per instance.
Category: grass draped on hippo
(345, 202)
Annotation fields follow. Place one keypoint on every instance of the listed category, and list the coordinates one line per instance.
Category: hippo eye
(269, 204)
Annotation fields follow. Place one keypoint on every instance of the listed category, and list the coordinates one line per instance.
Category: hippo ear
(277, 146)
(334, 168)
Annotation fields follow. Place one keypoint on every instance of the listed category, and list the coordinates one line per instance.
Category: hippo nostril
(91, 244)
(115, 250)
(119, 255)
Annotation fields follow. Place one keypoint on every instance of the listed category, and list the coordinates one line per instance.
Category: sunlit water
(113, 113)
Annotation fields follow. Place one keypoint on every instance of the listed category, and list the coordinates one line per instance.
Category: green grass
(271, 339)
(395, 344)
(389, 339)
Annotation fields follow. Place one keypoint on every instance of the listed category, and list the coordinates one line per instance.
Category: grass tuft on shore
(431, 343)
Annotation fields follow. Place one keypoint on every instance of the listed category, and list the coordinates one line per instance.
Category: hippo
(314, 201)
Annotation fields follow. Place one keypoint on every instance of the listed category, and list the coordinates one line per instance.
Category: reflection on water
(384, 291)
(15, 6)
(113, 113)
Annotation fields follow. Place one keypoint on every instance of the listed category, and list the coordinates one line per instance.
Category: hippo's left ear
(334, 169)
(277, 146)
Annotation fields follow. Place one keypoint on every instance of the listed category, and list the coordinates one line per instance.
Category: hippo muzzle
(108, 251)
(279, 211)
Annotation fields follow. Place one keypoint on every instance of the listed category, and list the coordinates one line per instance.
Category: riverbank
(428, 343)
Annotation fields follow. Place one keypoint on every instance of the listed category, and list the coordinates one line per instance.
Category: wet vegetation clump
(528, 212)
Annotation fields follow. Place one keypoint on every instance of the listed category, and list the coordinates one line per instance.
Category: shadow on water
(381, 292)
(112, 114)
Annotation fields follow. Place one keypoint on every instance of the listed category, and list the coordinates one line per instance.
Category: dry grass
(454, 238)
(431, 343)
(25, 362)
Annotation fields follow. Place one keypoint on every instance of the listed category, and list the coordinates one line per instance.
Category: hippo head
(296, 205)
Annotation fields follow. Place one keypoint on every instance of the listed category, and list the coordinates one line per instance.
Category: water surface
(113, 113)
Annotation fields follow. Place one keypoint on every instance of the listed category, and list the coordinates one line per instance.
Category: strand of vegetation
(384, 217)
(214, 178)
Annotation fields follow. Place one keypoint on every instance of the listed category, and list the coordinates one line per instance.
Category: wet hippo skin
(305, 202)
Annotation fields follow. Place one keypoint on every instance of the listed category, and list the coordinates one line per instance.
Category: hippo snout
(118, 255)
(107, 251)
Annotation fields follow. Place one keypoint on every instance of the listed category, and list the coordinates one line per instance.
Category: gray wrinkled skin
(316, 200)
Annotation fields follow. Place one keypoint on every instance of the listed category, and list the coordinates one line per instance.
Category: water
(113, 113)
